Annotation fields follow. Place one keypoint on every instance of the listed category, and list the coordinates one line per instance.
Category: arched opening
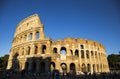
(26, 66)
(55, 50)
(81, 47)
(76, 53)
(30, 36)
(97, 68)
(82, 53)
(64, 68)
(83, 68)
(71, 52)
(37, 35)
(36, 49)
(87, 54)
(101, 67)
(15, 63)
(43, 49)
(34, 66)
(63, 50)
(92, 53)
(88, 67)
(28, 52)
(95, 54)
(72, 68)
(25, 37)
(94, 68)
(42, 67)
(52, 66)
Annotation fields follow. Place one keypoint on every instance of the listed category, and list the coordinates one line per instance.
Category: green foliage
(3, 61)
(113, 61)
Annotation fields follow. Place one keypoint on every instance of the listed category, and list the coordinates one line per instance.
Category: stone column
(34, 36)
(58, 49)
(42, 32)
(32, 50)
(80, 60)
(28, 36)
(39, 34)
(39, 52)
(68, 67)
(91, 68)
(22, 38)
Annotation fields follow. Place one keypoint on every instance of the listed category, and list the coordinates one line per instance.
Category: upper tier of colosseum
(28, 23)
(32, 24)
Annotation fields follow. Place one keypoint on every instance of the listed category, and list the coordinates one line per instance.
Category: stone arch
(88, 68)
(87, 54)
(71, 52)
(94, 68)
(83, 68)
(72, 68)
(97, 67)
(28, 50)
(95, 54)
(64, 67)
(63, 50)
(76, 53)
(44, 47)
(92, 53)
(54, 50)
(25, 37)
(52, 66)
(82, 53)
(36, 50)
(42, 67)
(37, 35)
(31, 35)
(81, 46)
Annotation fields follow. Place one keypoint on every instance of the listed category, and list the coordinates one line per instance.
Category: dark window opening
(54, 50)
(87, 54)
(82, 54)
(43, 49)
(71, 52)
(36, 49)
(81, 46)
(76, 53)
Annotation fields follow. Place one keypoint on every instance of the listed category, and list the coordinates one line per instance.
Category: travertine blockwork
(32, 51)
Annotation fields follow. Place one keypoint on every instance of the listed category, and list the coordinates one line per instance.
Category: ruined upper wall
(28, 23)
(80, 41)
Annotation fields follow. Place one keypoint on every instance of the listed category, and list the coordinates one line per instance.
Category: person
(57, 76)
(94, 75)
(68, 75)
(63, 75)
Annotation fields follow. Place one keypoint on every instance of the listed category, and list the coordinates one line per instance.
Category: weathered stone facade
(32, 51)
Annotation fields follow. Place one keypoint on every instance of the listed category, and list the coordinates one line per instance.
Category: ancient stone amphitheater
(32, 51)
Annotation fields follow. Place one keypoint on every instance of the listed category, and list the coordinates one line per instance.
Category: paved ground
(98, 76)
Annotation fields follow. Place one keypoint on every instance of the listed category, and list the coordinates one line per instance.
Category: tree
(3, 61)
(113, 61)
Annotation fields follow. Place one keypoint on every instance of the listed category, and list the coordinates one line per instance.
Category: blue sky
(97, 20)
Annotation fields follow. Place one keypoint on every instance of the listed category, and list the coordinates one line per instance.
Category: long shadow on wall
(38, 64)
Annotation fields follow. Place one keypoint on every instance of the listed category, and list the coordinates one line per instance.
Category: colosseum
(32, 51)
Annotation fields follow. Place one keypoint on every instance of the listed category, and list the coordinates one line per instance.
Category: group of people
(57, 75)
